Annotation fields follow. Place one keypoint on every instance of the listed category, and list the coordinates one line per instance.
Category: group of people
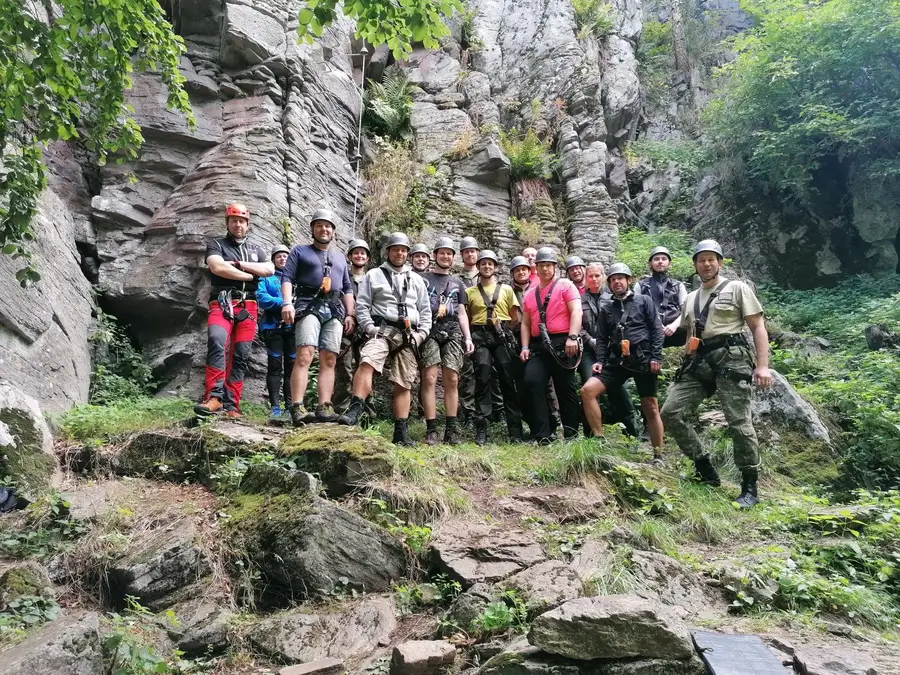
(512, 348)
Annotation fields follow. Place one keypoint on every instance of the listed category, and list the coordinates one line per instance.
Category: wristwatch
(573, 337)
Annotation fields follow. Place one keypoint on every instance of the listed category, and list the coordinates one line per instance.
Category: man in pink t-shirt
(560, 302)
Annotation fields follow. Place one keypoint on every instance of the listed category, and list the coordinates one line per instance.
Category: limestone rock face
(26, 446)
(611, 627)
(68, 646)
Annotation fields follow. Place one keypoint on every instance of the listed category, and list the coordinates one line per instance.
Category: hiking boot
(451, 435)
(705, 472)
(233, 414)
(325, 412)
(481, 427)
(353, 412)
(211, 406)
(401, 433)
(300, 416)
(748, 497)
(431, 432)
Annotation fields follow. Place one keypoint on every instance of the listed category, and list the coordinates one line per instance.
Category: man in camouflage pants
(718, 357)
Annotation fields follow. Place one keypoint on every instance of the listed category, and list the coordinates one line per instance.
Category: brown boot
(211, 406)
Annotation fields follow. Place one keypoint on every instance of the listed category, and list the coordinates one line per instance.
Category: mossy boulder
(275, 479)
(306, 546)
(26, 446)
(343, 457)
(21, 580)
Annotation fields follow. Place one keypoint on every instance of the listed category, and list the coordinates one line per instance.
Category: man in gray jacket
(394, 313)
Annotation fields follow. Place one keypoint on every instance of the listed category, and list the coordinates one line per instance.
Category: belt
(379, 321)
(489, 326)
(249, 296)
(719, 341)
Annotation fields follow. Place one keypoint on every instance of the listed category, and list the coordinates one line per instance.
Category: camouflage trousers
(467, 389)
(679, 413)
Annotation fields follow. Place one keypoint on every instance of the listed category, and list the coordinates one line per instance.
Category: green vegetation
(45, 531)
(24, 613)
(593, 17)
(98, 423)
(398, 25)
(654, 55)
(506, 613)
(120, 373)
(529, 156)
(858, 388)
(128, 647)
(416, 537)
(388, 106)
(528, 232)
(635, 245)
(776, 116)
(66, 80)
(415, 597)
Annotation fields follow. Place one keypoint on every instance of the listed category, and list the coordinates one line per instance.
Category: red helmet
(237, 210)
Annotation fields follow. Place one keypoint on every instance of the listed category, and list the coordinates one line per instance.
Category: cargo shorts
(404, 370)
(450, 355)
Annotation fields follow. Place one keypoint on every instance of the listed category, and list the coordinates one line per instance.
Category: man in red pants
(235, 266)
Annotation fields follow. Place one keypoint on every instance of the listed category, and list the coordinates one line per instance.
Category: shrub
(389, 183)
(388, 106)
(528, 232)
(529, 156)
(509, 612)
(120, 372)
(462, 147)
(593, 17)
(100, 423)
(635, 245)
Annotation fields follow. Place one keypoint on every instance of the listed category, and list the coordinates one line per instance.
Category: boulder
(251, 32)
(26, 446)
(422, 657)
(160, 566)
(673, 583)
(486, 163)
(349, 631)
(275, 479)
(833, 661)
(307, 546)
(26, 578)
(95, 502)
(592, 560)
(68, 646)
(475, 87)
(611, 627)
(545, 585)
(564, 504)
(475, 552)
(342, 457)
(782, 405)
(433, 71)
(203, 626)
(466, 608)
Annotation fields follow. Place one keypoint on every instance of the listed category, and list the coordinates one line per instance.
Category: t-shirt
(452, 290)
(305, 269)
(557, 311)
(229, 249)
(478, 309)
(726, 315)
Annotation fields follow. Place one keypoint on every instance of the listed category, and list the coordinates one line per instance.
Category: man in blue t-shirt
(318, 301)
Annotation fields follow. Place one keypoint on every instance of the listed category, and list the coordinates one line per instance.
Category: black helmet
(574, 261)
(487, 254)
(657, 250)
(546, 254)
(468, 242)
(708, 245)
(619, 268)
(324, 214)
(397, 239)
(357, 243)
(420, 248)
(279, 248)
(445, 242)
(518, 261)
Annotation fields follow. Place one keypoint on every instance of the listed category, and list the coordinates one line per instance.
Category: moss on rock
(22, 455)
(22, 580)
(341, 456)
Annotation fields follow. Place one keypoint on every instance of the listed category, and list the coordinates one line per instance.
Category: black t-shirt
(229, 249)
(450, 290)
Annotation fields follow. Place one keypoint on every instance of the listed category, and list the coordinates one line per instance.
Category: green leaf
(305, 16)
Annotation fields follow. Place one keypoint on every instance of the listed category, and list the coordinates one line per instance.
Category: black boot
(748, 496)
(353, 412)
(481, 426)
(451, 433)
(705, 472)
(431, 432)
(401, 433)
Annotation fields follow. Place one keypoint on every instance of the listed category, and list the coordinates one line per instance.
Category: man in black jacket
(668, 295)
(629, 343)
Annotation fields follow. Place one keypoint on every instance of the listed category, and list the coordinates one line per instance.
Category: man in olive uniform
(493, 306)
(469, 250)
(718, 357)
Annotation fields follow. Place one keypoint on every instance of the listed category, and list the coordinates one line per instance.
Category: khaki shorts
(310, 332)
(449, 355)
(403, 367)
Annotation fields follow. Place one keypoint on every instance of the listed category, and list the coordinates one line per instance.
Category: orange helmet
(237, 210)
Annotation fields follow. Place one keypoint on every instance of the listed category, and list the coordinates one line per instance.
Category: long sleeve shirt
(642, 328)
(376, 298)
